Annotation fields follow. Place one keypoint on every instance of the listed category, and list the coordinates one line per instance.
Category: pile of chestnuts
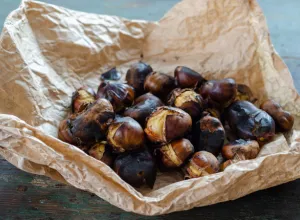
(156, 121)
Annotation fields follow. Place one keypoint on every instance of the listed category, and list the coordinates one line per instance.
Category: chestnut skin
(249, 122)
(187, 100)
(241, 150)
(145, 97)
(64, 132)
(136, 168)
(166, 124)
(202, 164)
(136, 76)
(125, 134)
(91, 125)
(112, 74)
(283, 119)
(175, 153)
(82, 98)
(244, 93)
(142, 110)
(187, 78)
(120, 95)
(219, 93)
(209, 135)
(159, 84)
(103, 152)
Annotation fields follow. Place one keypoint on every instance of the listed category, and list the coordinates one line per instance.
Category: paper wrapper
(47, 52)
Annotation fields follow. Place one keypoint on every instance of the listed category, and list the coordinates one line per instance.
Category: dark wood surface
(27, 196)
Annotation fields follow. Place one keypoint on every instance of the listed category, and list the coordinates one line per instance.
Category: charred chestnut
(175, 153)
(91, 125)
(112, 74)
(209, 135)
(137, 168)
(187, 100)
(159, 84)
(244, 93)
(143, 109)
(187, 78)
(64, 132)
(166, 124)
(136, 76)
(81, 98)
(202, 164)
(103, 152)
(125, 134)
(219, 93)
(249, 122)
(119, 94)
(283, 119)
(145, 97)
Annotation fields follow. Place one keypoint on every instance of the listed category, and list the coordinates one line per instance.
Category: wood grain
(27, 196)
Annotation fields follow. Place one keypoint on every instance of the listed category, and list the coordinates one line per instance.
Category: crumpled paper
(47, 52)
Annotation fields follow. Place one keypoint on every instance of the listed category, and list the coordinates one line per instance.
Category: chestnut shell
(136, 76)
(187, 78)
(103, 152)
(249, 122)
(241, 150)
(136, 168)
(120, 95)
(82, 98)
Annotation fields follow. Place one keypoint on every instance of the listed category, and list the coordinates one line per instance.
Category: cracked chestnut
(82, 98)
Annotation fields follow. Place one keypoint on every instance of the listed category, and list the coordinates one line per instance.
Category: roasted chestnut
(241, 150)
(136, 76)
(283, 119)
(209, 135)
(175, 153)
(145, 97)
(119, 94)
(112, 74)
(136, 168)
(187, 100)
(81, 98)
(159, 84)
(64, 132)
(244, 93)
(103, 152)
(219, 93)
(91, 125)
(202, 164)
(212, 112)
(187, 78)
(125, 134)
(166, 124)
(143, 109)
(249, 122)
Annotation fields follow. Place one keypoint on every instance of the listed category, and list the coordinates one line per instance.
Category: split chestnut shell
(103, 152)
(82, 98)
(166, 124)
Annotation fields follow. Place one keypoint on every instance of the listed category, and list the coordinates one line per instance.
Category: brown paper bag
(47, 52)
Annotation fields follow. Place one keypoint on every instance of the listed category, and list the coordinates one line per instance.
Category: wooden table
(27, 196)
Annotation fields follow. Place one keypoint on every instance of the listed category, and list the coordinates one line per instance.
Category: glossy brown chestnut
(187, 78)
(125, 134)
(175, 153)
(219, 93)
(143, 109)
(103, 152)
(283, 119)
(112, 74)
(90, 126)
(202, 164)
(244, 93)
(119, 94)
(187, 100)
(166, 124)
(249, 122)
(145, 97)
(81, 98)
(136, 168)
(136, 76)
(209, 135)
(159, 84)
